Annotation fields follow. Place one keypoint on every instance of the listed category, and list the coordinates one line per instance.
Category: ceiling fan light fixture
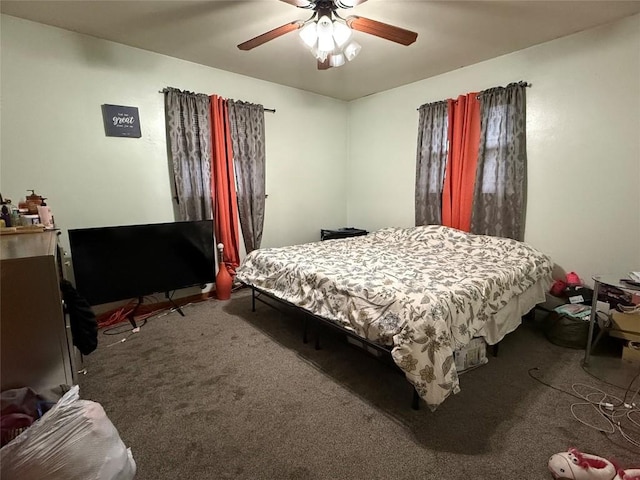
(309, 34)
(325, 34)
(321, 55)
(328, 36)
(326, 44)
(352, 50)
(341, 33)
(325, 26)
(337, 60)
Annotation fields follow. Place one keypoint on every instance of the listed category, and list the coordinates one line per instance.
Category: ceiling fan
(328, 35)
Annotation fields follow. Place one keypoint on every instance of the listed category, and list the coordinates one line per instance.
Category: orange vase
(224, 282)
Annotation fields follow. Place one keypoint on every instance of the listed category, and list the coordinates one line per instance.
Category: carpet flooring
(227, 393)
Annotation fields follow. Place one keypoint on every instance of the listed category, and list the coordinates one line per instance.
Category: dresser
(35, 336)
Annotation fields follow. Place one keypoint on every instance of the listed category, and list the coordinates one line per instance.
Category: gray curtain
(499, 201)
(189, 138)
(247, 133)
(431, 161)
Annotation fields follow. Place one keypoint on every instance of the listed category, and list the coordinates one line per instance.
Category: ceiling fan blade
(299, 3)
(346, 3)
(270, 35)
(382, 30)
(324, 65)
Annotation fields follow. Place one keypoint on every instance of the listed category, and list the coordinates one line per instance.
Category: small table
(345, 232)
(599, 280)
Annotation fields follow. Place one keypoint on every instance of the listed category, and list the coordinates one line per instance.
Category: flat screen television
(117, 263)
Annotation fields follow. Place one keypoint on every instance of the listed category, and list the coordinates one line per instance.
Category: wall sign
(121, 121)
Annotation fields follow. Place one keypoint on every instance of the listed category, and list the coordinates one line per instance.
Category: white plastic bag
(75, 440)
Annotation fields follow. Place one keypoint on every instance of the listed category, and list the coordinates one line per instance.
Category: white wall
(53, 83)
(583, 143)
(583, 128)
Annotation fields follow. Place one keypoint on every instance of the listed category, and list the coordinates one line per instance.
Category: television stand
(131, 315)
(175, 306)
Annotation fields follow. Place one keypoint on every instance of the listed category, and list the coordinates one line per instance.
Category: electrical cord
(549, 385)
(121, 314)
(120, 329)
(122, 340)
(594, 376)
(610, 409)
(145, 318)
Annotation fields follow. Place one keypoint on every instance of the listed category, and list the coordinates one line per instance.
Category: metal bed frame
(380, 352)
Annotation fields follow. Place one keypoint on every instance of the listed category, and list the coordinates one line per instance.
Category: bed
(422, 292)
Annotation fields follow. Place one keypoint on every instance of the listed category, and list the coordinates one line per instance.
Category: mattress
(424, 291)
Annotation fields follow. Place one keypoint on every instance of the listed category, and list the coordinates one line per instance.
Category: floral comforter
(425, 290)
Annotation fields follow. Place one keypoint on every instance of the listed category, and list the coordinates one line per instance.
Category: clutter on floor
(73, 440)
(569, 305)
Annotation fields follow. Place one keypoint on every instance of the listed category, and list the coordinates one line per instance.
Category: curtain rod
(166, 89)
(521, 83)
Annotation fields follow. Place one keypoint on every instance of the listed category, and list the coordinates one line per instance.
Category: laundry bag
(75, 440)
(566, 330)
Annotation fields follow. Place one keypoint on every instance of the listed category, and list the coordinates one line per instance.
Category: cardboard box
(626, 322)
(472, 355)
(632, 337)
(631, 353)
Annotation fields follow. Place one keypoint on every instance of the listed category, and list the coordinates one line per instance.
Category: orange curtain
(223, 186)
(464, 139)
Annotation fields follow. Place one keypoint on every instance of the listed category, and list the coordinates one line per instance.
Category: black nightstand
(341, 233)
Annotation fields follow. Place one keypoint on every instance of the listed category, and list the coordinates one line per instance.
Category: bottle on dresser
(44, 212)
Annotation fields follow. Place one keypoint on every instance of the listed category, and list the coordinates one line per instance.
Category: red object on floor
(558, 287)
(224, 283)
(573, 279)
